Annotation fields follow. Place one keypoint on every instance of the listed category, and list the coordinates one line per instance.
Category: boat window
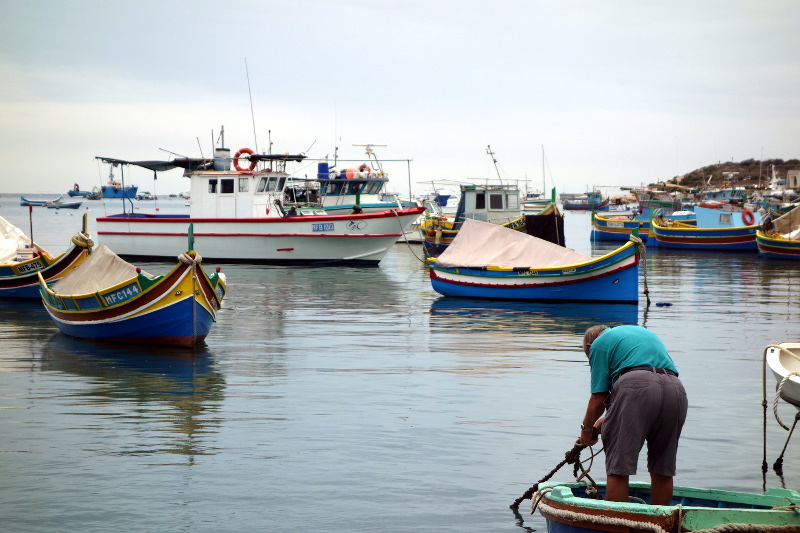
(244, 184)
(262, 185)
(725, 218)
(212, 185)
(495, 201)
(512, 201)
(227, 186)
(480, 200)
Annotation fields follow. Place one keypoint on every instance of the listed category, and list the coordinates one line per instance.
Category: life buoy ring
(238, 154)
(748, 217)
(364, 168)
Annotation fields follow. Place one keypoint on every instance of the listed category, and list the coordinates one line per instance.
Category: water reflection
(170, 394)
(520, 317)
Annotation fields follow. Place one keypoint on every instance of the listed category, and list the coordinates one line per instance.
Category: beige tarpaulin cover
(788, 224)
(102, 269)
(479, 244)
(11, 239)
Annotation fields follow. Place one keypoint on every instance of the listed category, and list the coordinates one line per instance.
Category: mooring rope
(643, 256)
(571, 457)
(778, 397)
(403, 233)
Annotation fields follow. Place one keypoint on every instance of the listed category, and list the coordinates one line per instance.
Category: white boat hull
(319, 239)
(783, 359)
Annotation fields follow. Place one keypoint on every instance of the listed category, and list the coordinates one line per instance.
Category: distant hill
(747, 174)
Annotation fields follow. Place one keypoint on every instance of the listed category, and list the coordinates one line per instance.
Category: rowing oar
(571, 457)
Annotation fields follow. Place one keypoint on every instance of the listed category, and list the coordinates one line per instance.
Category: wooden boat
(36, 203)
(620, 227)
(253, 215)
(21, 261)
(780, 238)
(716, 230)
(106, 298)
(490, 261)
(783, 359)
(496, 204)
(568, 509)
(60, 204)
(591, 201)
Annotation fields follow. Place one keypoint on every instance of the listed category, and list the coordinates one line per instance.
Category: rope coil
(190, 258)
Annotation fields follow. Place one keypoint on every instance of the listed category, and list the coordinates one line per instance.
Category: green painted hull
(568, 509)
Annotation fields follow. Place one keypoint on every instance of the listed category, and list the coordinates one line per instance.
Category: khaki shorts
(645, 407)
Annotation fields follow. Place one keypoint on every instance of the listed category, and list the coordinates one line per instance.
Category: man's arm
(594, 410)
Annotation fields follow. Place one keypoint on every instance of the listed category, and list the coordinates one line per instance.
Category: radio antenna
(252, 115)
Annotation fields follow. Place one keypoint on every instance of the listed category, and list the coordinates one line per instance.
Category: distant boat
(37, 203)
(490, 261)
(108, 299)
(568, 508)
(60, 204)
(21, 260)
(591, 201)
(144, 195)
(76, 191)
(117, 189)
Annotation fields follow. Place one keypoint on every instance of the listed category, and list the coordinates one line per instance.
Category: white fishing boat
(255, 213)
(783, 359)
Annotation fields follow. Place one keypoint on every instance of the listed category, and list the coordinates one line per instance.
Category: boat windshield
(271, 183)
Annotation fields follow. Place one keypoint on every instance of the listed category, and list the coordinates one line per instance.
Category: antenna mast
(252, 116)
(494, 161)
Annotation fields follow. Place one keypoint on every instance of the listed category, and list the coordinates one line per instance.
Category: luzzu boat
(252, 214)
(568, 509)
(21, 261)
(620, 227)
(780, 238)
(108, 299)
(489, 261)
(716, 230)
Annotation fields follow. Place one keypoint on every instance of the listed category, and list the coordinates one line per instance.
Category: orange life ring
(236, 160)
(364, 168)
(748, 217)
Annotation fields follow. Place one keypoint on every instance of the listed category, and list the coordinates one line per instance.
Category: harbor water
(356, 399)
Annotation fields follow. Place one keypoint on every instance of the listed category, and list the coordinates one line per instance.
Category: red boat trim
(166, 219)
(196, 234)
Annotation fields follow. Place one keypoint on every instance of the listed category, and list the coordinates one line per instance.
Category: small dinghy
(784, 361)
(568, 509)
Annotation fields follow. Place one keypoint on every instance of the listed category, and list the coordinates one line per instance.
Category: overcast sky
(618, 93)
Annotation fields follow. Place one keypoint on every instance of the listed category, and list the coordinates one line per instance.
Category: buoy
(663, 304)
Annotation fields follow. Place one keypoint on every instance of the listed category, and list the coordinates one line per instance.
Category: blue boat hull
(622, 286)
(174, 321)
(119, 192)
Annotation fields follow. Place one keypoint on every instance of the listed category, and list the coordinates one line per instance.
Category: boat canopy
(788, 223)
(480, 244)
(100, 270)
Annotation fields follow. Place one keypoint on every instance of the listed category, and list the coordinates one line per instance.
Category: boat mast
(494, 161)
(544, 183)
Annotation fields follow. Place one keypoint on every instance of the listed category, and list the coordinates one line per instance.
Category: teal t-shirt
(623, 347)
